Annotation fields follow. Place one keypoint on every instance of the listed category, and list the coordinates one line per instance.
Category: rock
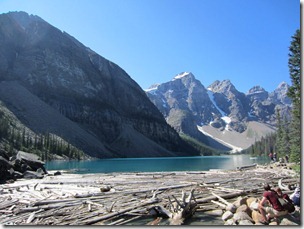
(17, 175)
(227, 215)
(105, 188)
(230, 222)
(231, 207)
(57, 173)
(4, 154)
(5, 164)
(5, 167)
(257, 217)
(273, 223)
(240, 201)
(244, 208)
(287, 222)
(31, 160)
(254, 205)
(250, 200)
(290, 220)
(237, 217)
(32, 175)
(245, 222)
(40, 171)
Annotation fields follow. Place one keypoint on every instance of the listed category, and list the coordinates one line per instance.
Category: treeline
(44, 145)
(287, 139)
(277, 142)
(202, 148)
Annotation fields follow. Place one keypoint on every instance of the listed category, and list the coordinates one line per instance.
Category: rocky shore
(23, 165)
(215, 197)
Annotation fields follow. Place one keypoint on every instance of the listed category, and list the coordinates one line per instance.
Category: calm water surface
(201, 163)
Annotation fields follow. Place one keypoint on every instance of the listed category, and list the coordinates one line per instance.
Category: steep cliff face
(84, 88)
(220, 112)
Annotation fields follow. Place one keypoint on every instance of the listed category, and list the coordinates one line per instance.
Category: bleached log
(110, 215)
(182, 210)
(32, 216)
(220, 198)
(219, 204)
(282, 186)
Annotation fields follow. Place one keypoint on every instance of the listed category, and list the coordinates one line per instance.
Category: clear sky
(245, 41)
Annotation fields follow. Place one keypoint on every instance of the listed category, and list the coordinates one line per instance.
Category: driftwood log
(158, 198)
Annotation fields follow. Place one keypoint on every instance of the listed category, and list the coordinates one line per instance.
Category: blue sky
(245, 41)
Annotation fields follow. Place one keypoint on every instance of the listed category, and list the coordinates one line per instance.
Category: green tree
(294, 92)
(279, 147)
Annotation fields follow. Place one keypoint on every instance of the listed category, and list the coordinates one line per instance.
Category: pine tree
(280, 133)
(285, 137)
(294, 92)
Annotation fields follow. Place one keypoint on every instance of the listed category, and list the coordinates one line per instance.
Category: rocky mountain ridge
(53, 83)
(219, 111)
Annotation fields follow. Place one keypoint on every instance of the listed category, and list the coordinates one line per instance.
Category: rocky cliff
(219, 112)
(53, 83)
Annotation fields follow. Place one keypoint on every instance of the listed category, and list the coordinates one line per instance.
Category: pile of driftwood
(159, 198)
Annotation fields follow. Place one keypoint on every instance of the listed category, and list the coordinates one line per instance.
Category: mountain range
(219, 114)
(52, 83)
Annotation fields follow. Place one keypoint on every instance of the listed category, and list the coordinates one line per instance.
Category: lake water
(164, 164)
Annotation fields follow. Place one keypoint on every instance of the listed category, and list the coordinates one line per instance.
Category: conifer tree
(294, 92)
(280, 133)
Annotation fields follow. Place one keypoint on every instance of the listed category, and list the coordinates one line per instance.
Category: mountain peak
(256, 89)
(283, 85)
(221, 86)
(23, 18)
(183, 75)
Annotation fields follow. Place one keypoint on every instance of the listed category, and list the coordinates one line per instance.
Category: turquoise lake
(164, 164)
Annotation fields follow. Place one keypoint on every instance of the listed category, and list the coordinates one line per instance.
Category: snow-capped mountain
(219, 112)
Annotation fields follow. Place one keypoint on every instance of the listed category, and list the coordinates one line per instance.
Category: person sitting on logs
(283, 195)
(285, 201)
(275, 210)
(295, 197)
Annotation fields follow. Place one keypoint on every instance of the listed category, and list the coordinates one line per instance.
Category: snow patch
(235, 149)
(224, 117)
(151, 90)
(181, 75)
(211, 97)
(164, 103)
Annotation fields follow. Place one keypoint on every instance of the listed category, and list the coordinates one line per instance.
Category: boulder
(32, 175)
(240, 201)
(5, 164)
(244, 208)
(57, 173)
(17, 175)
(5, 167)
(288, 222)
(231, 207)
(257, 217)
(105, 188)
(245, 222)
(273, 223)
(227, 215)
(20, 166)
(31, 160)
(250, 200)
(4, 154)
(230, 222)
(237, 217)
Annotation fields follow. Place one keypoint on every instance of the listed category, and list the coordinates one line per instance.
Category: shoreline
(128, 198)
